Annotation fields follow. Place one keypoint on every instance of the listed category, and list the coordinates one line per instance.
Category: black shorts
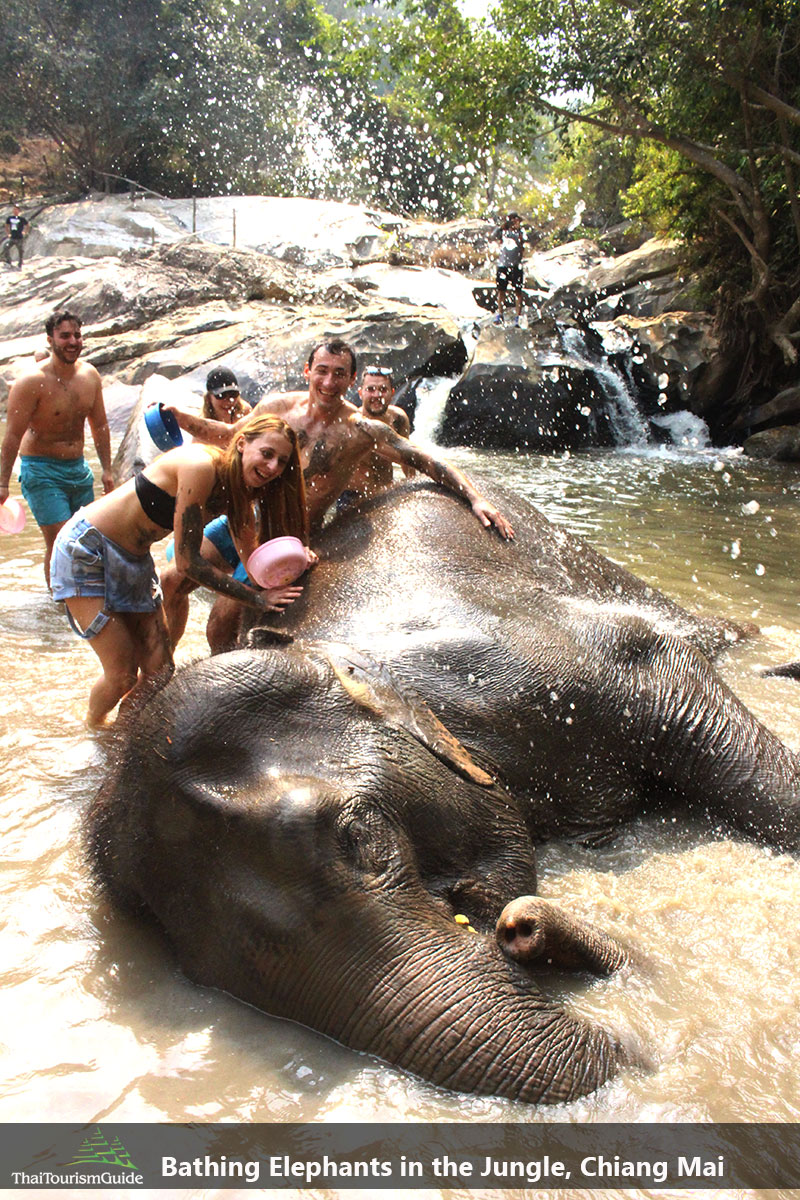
(509, 277)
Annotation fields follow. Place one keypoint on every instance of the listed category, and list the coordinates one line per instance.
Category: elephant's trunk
(701, 740)
(442, 1003)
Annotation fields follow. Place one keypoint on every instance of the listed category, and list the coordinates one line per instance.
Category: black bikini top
(156, 504)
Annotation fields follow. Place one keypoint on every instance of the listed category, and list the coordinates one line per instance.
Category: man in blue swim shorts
(47, 413)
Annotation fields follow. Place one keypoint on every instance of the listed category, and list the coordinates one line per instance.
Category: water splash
(685, 430)
(628, 425)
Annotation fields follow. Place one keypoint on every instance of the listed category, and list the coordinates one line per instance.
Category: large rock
(157, 300)
(781, 444)
(131, 289)
(785, 404)
(176, 308)
(672, 350)
(300, 231)
(653, 258)
(521, 391)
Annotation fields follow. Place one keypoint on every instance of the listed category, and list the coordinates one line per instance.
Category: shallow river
(98, 1023)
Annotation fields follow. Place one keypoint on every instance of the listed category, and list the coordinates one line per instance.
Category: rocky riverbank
(171, 287)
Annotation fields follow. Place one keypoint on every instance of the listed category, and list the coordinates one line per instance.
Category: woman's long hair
(281, 502)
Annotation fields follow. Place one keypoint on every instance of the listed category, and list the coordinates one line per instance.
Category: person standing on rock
(47, 413)
(509, 264)
(15, 226)
(377, 473)
(335, 438)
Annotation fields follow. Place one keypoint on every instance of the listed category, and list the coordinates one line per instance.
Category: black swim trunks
(509, 277)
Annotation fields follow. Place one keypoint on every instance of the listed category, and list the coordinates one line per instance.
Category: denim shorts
(55, 488)
(85, 563)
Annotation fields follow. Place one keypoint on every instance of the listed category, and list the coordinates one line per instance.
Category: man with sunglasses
(376, 473)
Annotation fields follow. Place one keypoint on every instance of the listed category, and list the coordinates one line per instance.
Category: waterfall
(432, 396)
(628, 425)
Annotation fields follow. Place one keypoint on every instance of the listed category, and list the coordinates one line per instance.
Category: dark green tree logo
(96, 1150)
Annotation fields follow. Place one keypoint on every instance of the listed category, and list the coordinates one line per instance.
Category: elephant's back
(415, 558)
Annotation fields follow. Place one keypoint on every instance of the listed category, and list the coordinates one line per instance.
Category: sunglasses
(377, 371)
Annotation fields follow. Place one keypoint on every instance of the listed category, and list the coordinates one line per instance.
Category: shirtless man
(47, 413)
(335, 438)
(376, 473)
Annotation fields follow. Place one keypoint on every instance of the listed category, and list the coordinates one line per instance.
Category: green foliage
(457, 84)
(589, 174)
(8, 143)
(178, 94)
(666, 194)
(710, 89)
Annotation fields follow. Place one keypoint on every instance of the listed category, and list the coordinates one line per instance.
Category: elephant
(336, 822)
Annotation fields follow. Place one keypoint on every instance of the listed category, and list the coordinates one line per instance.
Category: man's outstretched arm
(398, 449)
(202, 429)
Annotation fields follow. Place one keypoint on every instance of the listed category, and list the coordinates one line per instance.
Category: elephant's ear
(372, 686)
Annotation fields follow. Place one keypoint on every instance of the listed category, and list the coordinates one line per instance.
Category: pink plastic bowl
(277, 562)
(12, 516)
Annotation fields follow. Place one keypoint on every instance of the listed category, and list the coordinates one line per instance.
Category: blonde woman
(103, 570)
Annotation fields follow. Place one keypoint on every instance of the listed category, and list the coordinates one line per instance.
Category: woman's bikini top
(156, 504)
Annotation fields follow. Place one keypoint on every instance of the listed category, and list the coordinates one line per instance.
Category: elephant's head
(307, 833)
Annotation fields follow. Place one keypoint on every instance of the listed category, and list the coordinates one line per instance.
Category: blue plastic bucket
(163, 427)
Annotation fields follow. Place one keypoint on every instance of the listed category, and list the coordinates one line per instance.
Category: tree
(451, 79)
(715, 85)
(174, 93)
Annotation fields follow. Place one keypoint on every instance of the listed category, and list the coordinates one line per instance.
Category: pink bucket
(12, 516)
(277, 562)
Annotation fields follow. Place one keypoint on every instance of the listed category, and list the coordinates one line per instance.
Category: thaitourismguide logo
(97, 1150)
(98, 1161)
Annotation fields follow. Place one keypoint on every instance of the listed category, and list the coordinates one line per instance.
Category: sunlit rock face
(159, 300)
(169, 288)
(300, 231)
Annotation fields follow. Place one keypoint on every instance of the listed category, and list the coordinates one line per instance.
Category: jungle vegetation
(681, 115)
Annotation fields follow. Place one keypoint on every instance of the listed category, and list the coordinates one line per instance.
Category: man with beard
(376, 473)
(47, 413)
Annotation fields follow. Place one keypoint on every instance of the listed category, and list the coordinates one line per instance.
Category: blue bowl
(162, 427)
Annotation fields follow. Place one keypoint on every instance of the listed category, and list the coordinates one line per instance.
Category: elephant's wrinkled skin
(306, 820)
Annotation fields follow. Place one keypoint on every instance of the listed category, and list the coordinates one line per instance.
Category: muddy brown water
(99, 1025)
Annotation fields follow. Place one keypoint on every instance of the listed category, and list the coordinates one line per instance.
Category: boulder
(564, 265)
(521, 391)
(785, 404)
(671, 350)
(650, 298)
(127, 291)
(658, 256)
(295, 229)
(781, 444)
